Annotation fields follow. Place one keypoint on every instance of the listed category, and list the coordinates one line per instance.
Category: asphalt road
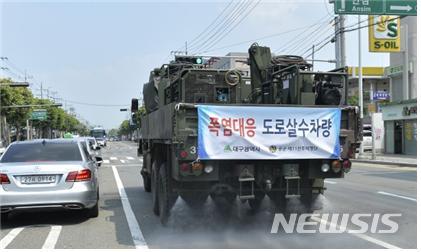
(126, 219)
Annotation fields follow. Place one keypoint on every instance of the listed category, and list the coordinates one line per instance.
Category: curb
(383, 162)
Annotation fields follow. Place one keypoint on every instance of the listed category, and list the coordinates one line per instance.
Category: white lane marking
(395, 195)
(137, 236)
(106, 161)
(362, 236)
(330, 182)
(9, 237)
(113, 158)
(130, 158)
(123, 161)
(52, 238)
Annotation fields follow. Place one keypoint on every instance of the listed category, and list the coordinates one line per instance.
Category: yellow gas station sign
(384, 33)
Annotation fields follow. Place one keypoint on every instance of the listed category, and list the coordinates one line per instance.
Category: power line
(288, 44)
(304, 42)
(94, 104)
(235, 25)
(309, 44)
(318, 49)
(212, 23)
(196, 41)
(327, 8)
(256, 39)
(349, 30)
(226, 22)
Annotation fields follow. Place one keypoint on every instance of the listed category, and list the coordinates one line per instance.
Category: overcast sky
(101, 52)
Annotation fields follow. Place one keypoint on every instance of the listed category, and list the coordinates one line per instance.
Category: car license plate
(38, 179)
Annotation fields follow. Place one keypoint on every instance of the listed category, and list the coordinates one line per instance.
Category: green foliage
(14, 96)
(113, 132)
(124, 128)
(137, 116)
(57, 118)
(353, 100)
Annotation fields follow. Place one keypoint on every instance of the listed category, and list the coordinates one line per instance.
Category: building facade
(233, 60)
(400, 115)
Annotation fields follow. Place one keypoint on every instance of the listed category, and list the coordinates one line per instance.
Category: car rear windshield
(39, 152)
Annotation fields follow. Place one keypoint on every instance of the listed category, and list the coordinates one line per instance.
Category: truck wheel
(194, 199)
(166, 198)
(154, 188)
(147, 182)
(145, 171)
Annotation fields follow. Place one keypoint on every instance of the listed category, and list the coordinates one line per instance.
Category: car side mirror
(99, 160)
(97, 148)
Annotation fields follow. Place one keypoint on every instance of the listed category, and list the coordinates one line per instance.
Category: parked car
(93, 145)
(58, 173)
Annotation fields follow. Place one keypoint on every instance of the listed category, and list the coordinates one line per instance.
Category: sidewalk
(389, 159)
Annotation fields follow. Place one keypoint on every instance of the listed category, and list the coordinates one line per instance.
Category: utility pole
(312, 57)
(340, 41)
(41, 91)
(405, 72)
(360, 71)
(186, 48)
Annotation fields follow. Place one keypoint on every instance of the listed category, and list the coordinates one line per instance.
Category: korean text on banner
(250, 132)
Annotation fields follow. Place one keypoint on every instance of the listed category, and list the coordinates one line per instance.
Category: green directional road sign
(376, 7)
(401, 7)
(39, 114)
(359, 7)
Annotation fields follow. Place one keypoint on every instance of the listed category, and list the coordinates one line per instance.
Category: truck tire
(147, 182)
(166, 198)
(194, 199)
(154, 188)
(145, 172)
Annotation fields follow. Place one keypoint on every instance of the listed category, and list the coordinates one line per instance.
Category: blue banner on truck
(250, 132)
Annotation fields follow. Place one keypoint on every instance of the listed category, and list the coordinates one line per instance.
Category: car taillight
(4, 179)
(75, 176)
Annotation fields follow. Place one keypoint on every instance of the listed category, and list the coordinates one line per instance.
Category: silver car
(57, 173)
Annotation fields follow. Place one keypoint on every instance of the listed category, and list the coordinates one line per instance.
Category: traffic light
(135, 105)
(189, 59)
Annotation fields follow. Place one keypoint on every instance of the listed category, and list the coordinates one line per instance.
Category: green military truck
(212, 132)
